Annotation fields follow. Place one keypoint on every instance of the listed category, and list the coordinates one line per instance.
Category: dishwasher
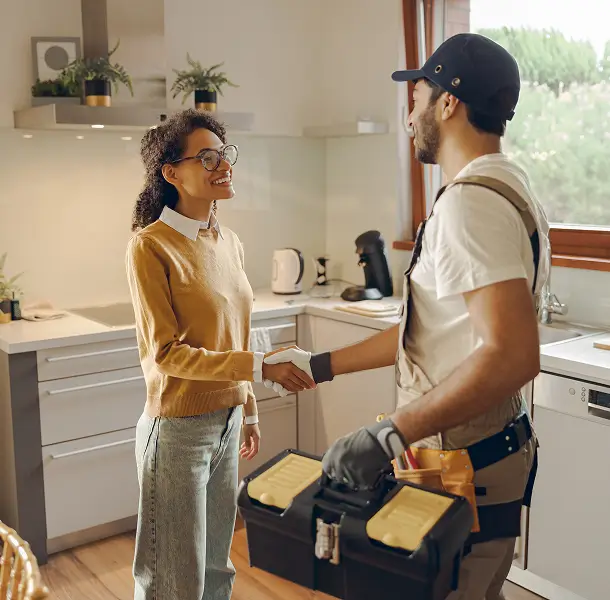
(569, 520)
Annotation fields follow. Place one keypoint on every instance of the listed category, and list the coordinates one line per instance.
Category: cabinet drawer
(79, 407)
(278, 424)
(281, 331)
(87, 358)
(90, 482)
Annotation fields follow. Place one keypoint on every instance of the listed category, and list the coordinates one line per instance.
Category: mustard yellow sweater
(193, 303)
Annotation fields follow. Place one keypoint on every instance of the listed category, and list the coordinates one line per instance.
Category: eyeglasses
(210, 158)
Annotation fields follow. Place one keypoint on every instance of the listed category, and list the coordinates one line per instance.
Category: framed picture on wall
(51, 55)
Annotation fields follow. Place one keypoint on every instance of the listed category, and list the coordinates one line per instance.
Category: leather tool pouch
(446, 470)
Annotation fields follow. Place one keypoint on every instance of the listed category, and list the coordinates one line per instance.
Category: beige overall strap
(505, 191)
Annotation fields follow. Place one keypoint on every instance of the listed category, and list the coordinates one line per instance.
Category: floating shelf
(347, 129)
(124, 118)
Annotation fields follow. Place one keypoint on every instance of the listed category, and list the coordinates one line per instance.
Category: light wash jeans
(187, 470)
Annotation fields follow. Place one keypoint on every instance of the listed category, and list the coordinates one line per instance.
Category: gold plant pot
(98, 93)
(205, 100)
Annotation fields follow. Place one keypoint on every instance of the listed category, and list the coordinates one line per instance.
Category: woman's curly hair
(161, 145)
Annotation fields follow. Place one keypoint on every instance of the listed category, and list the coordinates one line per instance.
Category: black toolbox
(397, 542)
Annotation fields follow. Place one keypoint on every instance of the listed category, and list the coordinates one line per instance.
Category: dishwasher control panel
(572, 397)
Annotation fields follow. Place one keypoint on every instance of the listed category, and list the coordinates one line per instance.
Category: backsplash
(66, 208)
(361, 191)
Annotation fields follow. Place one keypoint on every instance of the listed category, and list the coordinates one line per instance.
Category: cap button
(456, 81)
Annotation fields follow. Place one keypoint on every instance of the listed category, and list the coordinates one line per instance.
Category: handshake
(290, 370)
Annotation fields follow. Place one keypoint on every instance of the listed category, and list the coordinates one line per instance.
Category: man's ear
(449, 105)
(169, 174)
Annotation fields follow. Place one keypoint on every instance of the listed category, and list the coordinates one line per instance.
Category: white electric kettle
(287, 272)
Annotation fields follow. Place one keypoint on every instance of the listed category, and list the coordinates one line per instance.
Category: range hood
(131, 117)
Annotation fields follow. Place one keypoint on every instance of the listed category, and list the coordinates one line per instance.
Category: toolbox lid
(287, 478)
(406, 519)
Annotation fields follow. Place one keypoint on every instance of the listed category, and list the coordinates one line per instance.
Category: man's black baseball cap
(472, 68)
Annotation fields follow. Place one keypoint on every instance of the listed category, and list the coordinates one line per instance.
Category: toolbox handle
(336, 491)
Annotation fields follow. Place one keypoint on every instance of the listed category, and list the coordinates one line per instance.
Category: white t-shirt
(474, 238)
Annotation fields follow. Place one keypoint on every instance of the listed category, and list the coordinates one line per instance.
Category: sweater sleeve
(156, 321)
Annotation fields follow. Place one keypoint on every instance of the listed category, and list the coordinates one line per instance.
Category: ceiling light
(126, 138)
(28, 136)
(80, 137)
(97, 127)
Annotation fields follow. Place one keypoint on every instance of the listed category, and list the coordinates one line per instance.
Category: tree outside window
(561, 130)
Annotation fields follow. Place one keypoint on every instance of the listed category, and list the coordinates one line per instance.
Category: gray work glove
(359, 459)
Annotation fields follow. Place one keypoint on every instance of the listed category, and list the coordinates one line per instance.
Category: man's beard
(429, 138)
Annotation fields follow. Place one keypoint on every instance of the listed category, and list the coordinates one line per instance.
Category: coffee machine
(371, 249)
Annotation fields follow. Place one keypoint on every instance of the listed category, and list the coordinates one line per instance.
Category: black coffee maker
(373, 260)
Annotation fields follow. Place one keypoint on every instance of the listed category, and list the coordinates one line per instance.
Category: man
(468, 339)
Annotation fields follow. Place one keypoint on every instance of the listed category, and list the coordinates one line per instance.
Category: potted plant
(205, 83)
(98, 75)
(55, 91)
(8, 291)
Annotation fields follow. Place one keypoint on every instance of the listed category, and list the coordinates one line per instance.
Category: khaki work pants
(484, 571)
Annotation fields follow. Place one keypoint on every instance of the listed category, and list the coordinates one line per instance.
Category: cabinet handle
(89, 386)
(601, 412)
(276, 327)
(93, 448)
(52, 359)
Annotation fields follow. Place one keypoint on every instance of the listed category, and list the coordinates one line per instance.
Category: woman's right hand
(290, 377)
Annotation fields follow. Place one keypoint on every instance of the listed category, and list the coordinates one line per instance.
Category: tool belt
(453, 471)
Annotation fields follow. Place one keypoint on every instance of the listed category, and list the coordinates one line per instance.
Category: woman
(193, 305)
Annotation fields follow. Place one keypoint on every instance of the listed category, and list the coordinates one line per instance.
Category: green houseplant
(98, 75)
(206, 84)
(55, 91)
(8, 291)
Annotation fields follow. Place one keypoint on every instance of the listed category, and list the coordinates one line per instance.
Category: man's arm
(373, 353)
(504, 318)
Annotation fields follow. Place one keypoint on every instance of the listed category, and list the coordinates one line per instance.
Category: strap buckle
(519, 433)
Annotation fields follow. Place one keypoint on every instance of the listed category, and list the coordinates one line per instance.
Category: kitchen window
(561, 131)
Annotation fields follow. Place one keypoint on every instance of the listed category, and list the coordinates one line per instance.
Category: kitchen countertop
(573, 357)
(578, 358)
(27, 336)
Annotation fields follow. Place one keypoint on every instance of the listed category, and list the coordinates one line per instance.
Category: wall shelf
(76, 117)
(354, 128)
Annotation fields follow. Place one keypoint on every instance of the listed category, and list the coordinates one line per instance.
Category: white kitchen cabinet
(89, 482)
(78, 407)
(569, 529)
(278, 425)
(348, 402)
(83, 359)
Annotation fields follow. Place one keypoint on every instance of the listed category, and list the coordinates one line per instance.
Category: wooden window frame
(412, 39)
(572, 246)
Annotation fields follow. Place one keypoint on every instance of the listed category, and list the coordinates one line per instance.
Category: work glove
(317, 366)
(359, 459)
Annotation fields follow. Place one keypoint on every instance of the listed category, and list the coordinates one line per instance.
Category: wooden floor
(102, 571)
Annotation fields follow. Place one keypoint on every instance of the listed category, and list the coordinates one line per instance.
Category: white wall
(19, 21)
(66, 205)
(361, 49)
(139, 26)
(362, 46)
(271, 48)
